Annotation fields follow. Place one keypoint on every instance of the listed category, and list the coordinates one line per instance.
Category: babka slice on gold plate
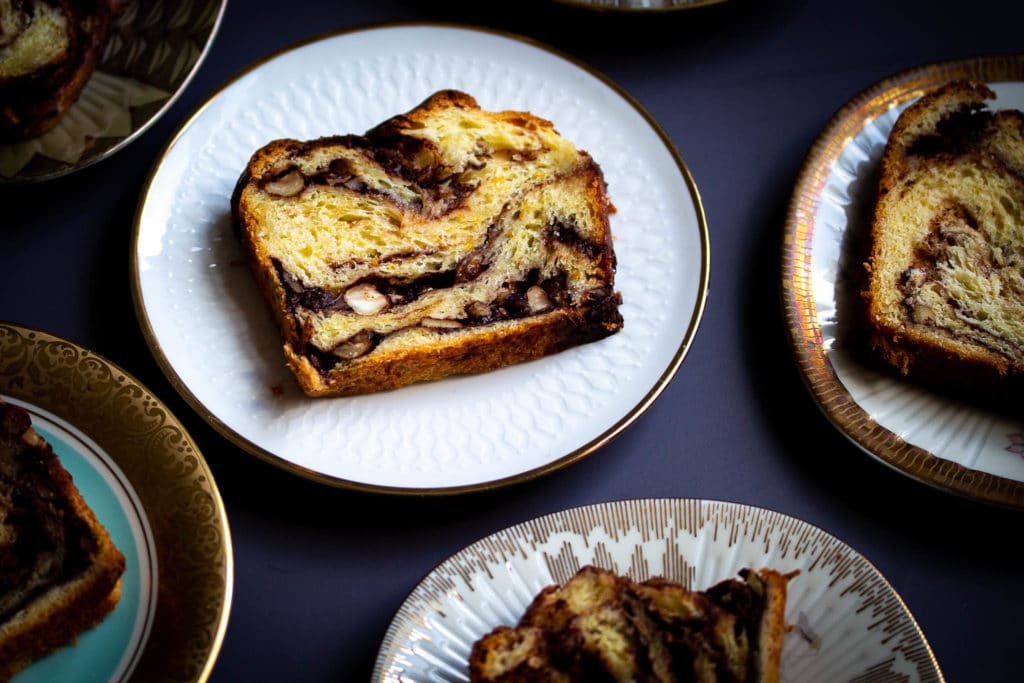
(945, 289)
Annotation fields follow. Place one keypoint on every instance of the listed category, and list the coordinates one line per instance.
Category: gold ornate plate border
(797, 280)
(167, 472)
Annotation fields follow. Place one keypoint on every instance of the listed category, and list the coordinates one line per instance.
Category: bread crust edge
(455, 353)
(57, 617)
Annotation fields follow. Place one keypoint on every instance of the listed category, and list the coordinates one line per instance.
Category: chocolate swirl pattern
(947, 243)
(189, 266)
(447, 240)
(950, 444)
(166, 471)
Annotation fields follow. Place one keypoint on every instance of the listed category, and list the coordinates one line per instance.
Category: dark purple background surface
(742, 88)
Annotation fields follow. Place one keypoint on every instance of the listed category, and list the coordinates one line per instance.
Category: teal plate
(110, 651)
(141, 473)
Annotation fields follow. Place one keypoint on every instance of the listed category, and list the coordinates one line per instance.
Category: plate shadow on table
(622, 35)
(57, 255)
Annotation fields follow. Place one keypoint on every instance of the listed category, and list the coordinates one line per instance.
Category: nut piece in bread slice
(60, 573)
(447, 240)
(602, 626)
(945, 287)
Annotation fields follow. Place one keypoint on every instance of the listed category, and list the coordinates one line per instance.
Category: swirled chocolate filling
(41, 544)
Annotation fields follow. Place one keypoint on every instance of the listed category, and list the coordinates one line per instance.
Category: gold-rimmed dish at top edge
(857, 132)
(166, 472)
(639, 6)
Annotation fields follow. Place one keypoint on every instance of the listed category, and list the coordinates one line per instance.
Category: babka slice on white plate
(447, 240)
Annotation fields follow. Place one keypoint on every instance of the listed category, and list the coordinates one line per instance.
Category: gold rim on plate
(802, 321)
(183, 507)
(654, 6)
(592, 445)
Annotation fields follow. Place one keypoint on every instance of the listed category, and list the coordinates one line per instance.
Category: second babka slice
(945, 290)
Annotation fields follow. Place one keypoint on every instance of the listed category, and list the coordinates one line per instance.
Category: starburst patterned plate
(952, 445)
(207, 326)
(849, 624)
(141, 473)
(153, 51)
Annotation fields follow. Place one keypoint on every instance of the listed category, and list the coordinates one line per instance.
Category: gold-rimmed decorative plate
(639, 5)
(141, 473)
(210, 331)
(154, 49)
(955, 446)
(849, 624)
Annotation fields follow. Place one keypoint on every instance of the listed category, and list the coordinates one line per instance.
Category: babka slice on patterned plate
(600, 626)
(945, 290)
(48, 50)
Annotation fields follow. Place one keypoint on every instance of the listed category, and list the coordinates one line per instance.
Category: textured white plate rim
(398, 653)
(223, 423)
(146, 125)
(826, 370)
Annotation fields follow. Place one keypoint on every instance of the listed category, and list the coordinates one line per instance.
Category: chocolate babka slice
(48, 50)
(945, 290)
(60, 574)
(600, 626)
(447, 240)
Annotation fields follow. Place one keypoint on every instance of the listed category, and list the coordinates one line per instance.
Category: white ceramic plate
(140, 472)
(154, 50)
(949, 444)
(209, 330)
(849, 623)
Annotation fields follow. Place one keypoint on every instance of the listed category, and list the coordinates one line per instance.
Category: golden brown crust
(56, 625)
(468, 353)
(922, 119)
(437, 169)
(74, 604)
(34, 103)
(773, 627)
